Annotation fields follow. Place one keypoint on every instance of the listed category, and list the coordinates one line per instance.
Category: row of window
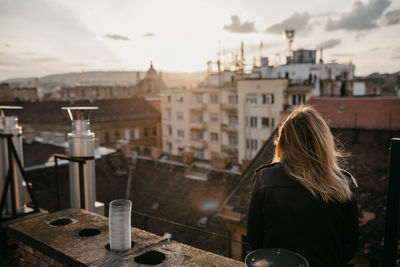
(199, 136)
(253, 144)
(260, 99)
(196, 117)
(200, 98)
(126, 134)
(260, 122)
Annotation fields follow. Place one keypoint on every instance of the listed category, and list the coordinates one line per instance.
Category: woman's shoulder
(272, 175)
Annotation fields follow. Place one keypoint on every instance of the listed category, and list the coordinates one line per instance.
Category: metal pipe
(15, 194)
(81, 144)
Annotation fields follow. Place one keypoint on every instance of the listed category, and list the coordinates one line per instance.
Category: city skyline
(47, 37)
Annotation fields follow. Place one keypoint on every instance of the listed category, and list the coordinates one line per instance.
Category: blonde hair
(306, 148)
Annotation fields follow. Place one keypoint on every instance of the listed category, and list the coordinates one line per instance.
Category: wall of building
(251, 138)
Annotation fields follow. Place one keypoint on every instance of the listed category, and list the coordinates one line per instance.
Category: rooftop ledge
(48, 240)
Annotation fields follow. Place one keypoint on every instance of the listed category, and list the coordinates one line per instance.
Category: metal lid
(275, 257)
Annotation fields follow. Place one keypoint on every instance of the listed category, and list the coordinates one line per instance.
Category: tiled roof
(109, 110)
(37, 153)
(351, 112)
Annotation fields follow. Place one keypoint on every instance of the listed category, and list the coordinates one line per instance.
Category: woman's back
(284, 214)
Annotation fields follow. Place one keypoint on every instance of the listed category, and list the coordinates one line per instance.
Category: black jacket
(284, 214)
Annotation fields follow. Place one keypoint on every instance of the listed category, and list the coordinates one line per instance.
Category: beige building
(191, 121)
(226, 121)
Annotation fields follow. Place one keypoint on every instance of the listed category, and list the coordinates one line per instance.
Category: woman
(303, 201)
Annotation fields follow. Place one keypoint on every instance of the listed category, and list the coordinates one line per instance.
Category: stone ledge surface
(63, 243)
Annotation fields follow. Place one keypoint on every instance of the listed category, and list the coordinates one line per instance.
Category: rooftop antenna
(290, 37)
(219, 56)
(261, 51)
(242, 60)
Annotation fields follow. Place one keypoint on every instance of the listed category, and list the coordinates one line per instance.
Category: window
(145, 132)
(169, 130)
(253, 122)
(169, 147)
(251, 99)
(154, 130)
(127, 134)
(169, 99)
(179, 116)
(232, 120)
(116, 134)
(233, 99)
(106, 137)
(197, 135)
(213, 98)
(252, 144)
(214, 137)
(298, 99)
(214, 117)
(267, 99)
(232, 140)
(179, 98)
(136, 133)
(264, 122)
(197, 98)
(180, 134)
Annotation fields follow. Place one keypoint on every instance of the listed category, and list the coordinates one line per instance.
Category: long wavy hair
(306, 149)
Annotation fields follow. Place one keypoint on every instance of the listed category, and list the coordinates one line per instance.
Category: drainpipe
(81, 144)
(9, 125)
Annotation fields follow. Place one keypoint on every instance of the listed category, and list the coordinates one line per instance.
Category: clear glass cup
(120, 224)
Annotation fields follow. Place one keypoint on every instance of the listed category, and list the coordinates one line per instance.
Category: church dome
(151, 72)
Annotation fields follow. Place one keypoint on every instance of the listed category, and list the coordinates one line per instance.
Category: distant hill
(106, 78)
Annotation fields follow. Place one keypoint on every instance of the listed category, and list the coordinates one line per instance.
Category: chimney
(9, 125)
(81, 144)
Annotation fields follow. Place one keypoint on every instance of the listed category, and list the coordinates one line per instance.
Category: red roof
(351, 112)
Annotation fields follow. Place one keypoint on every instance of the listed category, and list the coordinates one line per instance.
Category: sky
(42, 37)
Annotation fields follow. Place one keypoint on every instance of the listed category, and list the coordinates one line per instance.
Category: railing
(81, 161)
(13, 156)
(188, 227)
(392, 210)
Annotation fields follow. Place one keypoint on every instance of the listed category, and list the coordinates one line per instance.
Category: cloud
(343, 55)
(361, 17)
(392, 17)
(396, 57)
(149, 34)
(329, 44)
(297, 21)
(116, 37)
(45, 59)
(239, 27)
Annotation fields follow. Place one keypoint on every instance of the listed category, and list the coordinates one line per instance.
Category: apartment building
(230, 122)
(191, 121)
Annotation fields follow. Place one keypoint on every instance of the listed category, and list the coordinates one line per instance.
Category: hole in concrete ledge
(108, 245)
(151, 257)
(88, 232)
(60, 221)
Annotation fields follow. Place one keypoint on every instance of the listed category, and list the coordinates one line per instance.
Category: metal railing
(13, 156)
(189, 227)
(392, 210)
(81, 161)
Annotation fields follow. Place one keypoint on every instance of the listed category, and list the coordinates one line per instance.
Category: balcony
(230, 107)
(198, 144)
(231, 149)
(198, 125)
(198, 106)
(230, 128)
